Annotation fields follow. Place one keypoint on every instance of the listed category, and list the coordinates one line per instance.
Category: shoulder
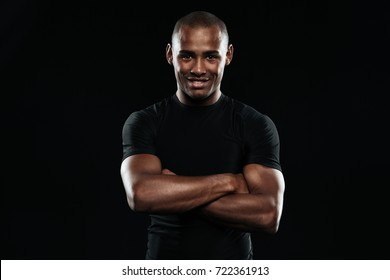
(248, 114)
(150, 113)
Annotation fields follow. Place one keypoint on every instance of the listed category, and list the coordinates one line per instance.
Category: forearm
(248, 212)
(173, 194)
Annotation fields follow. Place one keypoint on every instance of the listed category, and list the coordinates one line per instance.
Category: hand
(166, 171)
(242, 186)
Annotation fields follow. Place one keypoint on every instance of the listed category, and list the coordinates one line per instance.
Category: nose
(199, 67)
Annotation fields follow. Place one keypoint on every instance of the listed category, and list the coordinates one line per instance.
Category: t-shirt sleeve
(138, 134)
(262, 143)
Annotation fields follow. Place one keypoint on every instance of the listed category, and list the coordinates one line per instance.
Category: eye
(211, 57)
(185, 57)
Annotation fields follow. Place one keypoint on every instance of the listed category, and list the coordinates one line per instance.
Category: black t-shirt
(200, 140)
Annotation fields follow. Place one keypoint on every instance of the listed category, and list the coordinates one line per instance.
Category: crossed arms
(249, 201)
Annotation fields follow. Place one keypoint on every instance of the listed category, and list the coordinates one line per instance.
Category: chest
(201, 143)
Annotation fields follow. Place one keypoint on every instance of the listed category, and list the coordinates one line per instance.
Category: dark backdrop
(73, 71)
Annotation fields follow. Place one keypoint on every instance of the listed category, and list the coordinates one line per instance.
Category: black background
(73, 71)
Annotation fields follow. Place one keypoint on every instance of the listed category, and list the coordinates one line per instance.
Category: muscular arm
(260, 210)
(149, 190)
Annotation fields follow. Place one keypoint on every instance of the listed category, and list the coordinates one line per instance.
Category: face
(199, 56)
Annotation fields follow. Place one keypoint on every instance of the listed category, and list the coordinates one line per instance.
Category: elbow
(269, 222)
(273, 227)
(136, 199)
(136, 206)
(131, 201)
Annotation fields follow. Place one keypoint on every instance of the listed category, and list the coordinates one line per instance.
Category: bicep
(264, 180)
(137, 165)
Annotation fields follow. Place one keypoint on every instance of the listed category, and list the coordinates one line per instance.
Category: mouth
(198, 83)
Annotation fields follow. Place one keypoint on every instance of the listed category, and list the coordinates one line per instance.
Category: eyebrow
(212, 52)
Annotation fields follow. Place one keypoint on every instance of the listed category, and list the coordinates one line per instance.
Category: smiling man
(203, 165)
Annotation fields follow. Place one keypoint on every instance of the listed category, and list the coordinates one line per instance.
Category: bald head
(201, 19)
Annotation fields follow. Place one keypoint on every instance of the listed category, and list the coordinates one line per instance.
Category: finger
(166, 171)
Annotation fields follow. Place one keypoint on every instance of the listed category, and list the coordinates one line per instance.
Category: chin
(199, 96)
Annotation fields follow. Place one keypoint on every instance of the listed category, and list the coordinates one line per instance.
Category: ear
(168, 53)
(229, 54)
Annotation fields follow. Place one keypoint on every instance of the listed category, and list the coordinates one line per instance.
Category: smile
(198, 83)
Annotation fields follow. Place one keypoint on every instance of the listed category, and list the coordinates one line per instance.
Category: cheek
(185, 67)
(217, 68)
(179, 67)
(216, 71)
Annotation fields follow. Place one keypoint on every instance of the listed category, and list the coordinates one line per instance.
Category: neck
(209, 100)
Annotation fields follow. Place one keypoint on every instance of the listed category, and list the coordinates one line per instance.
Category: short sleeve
(261, 140)
(138, 134)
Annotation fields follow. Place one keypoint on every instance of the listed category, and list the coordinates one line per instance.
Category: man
(203, 165)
